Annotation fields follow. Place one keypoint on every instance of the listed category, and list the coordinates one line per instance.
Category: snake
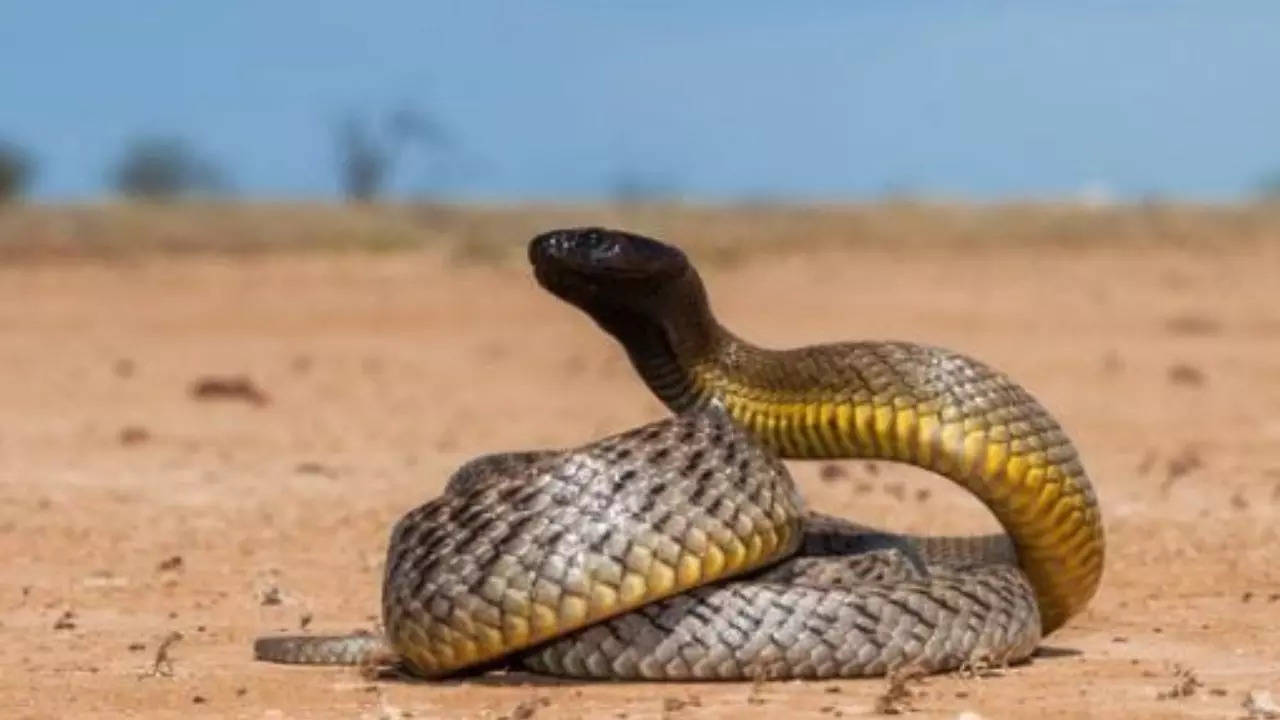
(683, 550)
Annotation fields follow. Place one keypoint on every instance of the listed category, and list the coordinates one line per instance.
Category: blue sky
(718, 100)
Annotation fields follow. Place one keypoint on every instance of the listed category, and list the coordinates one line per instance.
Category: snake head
(592, 266)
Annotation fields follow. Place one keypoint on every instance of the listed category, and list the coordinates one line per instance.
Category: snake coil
(682, 549)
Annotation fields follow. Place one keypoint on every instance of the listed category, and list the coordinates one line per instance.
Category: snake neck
(667, 339)
(889, 401)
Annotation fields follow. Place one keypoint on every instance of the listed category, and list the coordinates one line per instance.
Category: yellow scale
(935, 437)
(466, 640)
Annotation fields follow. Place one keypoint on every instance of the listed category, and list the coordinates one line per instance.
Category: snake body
(682, 549)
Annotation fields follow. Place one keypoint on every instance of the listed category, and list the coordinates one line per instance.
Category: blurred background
(586, 101)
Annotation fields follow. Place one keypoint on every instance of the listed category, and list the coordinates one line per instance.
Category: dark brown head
(643, 292)
(608, 270)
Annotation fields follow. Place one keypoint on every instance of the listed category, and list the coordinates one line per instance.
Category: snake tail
(352, 649)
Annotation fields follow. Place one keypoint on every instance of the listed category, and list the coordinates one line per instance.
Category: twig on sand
(896, 699)
(162, 665)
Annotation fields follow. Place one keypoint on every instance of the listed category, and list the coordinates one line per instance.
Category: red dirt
(130, 510)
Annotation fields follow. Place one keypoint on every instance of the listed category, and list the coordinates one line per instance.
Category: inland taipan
(682, 549)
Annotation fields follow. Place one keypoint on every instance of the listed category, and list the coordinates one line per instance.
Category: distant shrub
(163, 168)
(632, 186)
(16, 171)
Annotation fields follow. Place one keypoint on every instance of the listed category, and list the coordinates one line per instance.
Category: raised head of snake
(898, 401)
(645, 293)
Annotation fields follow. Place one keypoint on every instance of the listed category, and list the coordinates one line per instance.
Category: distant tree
(364, 161)
(16, 171)
(367, 158)
(407, 125)
(1269, 187)
(165, 168)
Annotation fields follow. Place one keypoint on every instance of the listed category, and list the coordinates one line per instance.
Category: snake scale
(682, 549)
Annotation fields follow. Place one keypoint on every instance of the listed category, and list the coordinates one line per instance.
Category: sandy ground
(130, 510)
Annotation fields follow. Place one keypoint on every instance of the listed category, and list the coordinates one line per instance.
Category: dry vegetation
(722, 233)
